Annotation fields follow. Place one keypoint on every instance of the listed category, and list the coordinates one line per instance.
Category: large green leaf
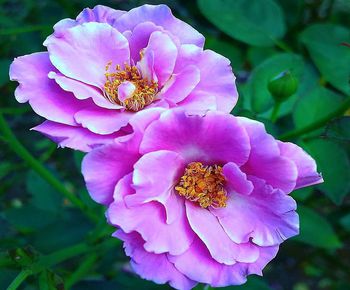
(323, 42)
(333, 162)
(315, 105)
(260, 96)
(315, 230)
(259, 22)
(339, 129)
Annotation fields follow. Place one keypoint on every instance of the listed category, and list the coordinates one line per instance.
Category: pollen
(143, 95)
(204, 185)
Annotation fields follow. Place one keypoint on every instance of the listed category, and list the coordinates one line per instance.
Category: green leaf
(50, 281)
(302, 193)
(253, 283)
(339, 129)
(43, 194)
(261, 98)
(315, 105)
(333, 162)
(260, 23)
(323, 41)
(345, 222)
(315, 230)
(257, 55)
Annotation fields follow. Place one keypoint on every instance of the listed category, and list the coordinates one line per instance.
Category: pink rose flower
(106, 66)
(199, 198)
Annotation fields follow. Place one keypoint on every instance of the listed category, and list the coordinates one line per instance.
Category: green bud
(283, 86)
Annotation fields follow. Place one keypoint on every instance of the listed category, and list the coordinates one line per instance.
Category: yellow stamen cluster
(203, 184)
(143, 95)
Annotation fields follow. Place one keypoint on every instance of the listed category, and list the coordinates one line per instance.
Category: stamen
(143, 95)
(203, 184)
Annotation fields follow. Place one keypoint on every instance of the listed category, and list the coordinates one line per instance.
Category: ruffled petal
(82, 52)
(103, 167)
(215, 138)
(74, 137)
(265, 160)
(159, 236)
(267, 216)
(44, 95)
(220, 246)
(236, 180)
(160, 15)
(145, 263)
(306, 165)
(102, 121)
(154, 177)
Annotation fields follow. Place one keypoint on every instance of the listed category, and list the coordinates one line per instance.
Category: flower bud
(283, 86)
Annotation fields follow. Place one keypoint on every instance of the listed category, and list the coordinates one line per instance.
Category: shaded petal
(197, 264)
(220, 246)
(75, 137)
(159, 236)
(99, 13)
(164, 52)
(236, 180)
(145, 263)
(82, 91)
(180, 85)
(266, 215)
(45, 97)
(160, 15)
(103, 167)
(215, 138)
(216, 79)
(154, 177)
(265, 160)
(102, 121)
(85, 58)
(306, 165)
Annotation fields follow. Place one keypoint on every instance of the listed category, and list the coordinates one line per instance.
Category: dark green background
(262, 38)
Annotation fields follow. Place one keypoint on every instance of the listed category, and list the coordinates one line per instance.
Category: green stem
(319, 123)
(275, 111)
(83, 268)
(22, 152)
(19, 279)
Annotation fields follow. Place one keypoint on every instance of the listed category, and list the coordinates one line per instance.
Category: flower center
(203, 184)
(140, 92)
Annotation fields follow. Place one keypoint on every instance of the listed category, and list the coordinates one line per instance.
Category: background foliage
(53, 236)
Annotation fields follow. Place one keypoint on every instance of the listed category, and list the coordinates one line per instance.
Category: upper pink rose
(103, 68)
(199, 198)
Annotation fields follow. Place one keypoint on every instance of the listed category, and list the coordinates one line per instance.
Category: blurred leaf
(260, 23)
(263, 73)
(257, 55)
(315, 105)
(44, 196)
(50, 281)
(253, 283)
(28, 218)
(345, 221)
(339, 129)
(78, 158)
(302, 193)
(323, 42)
(6, 277)
(228, 50)
(316, 230)
(333, 163)
(4, 71)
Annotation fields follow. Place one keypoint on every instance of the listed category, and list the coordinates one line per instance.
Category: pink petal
(215, 138)
(306, 165)
(236, 180)
(103, 167)
(160, 15)
(102, 121)
(154, 178)
(77, 138)
(265, 160)
(220, 246)
(266, 216)
(85, 58)
(44, 95)
(145, 263)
